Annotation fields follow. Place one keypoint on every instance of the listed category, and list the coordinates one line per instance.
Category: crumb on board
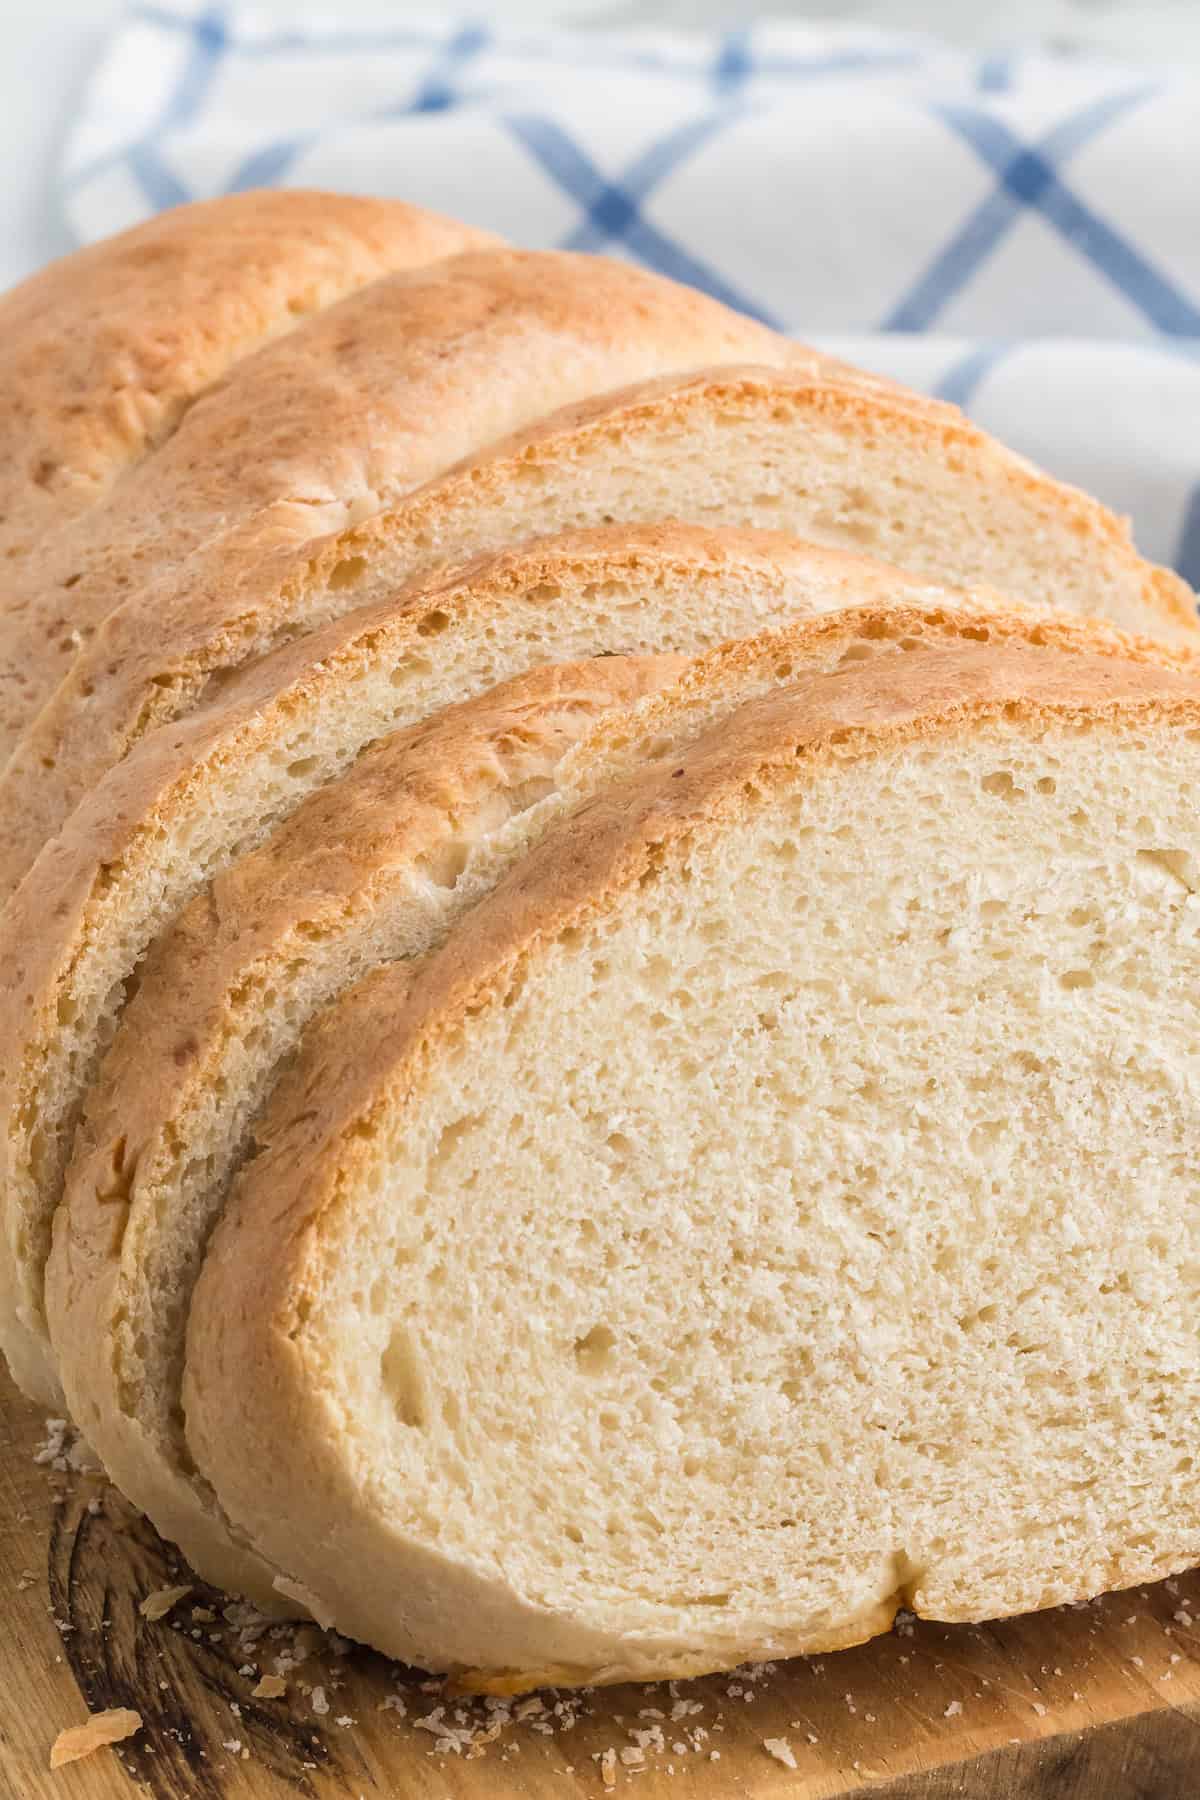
(781, 1750)
(271, 1687)
(159, 1603)
(103, 1728)
(65, 1450)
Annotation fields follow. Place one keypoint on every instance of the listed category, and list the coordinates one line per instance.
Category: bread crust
(368, 1058)
(101, 353)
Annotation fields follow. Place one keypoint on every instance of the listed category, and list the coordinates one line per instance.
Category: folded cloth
(1015, 232)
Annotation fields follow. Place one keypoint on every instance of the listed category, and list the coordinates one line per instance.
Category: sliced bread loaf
(360, 404)
(101, 354)
(196, 793)
(374, 867)
(771, 1206)
(841, 461)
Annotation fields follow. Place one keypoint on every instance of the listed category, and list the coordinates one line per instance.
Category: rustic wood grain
(1094, 1703)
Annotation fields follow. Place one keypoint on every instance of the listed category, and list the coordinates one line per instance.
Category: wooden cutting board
(1100, 1702)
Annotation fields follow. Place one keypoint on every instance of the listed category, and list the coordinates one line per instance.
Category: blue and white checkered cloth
(1019, 233)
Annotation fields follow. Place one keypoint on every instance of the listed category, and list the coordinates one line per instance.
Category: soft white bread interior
(772, 1205)
(196, 793)
(376, 866)
(831, 456)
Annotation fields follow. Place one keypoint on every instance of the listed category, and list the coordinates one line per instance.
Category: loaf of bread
(569, 1161)
(373, 867)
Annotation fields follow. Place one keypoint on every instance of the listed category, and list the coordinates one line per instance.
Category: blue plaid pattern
(953, 212)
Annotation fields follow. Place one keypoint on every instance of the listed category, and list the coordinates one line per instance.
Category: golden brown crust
(102, 353)
(886, 408)
(976, 616)
(136, 675)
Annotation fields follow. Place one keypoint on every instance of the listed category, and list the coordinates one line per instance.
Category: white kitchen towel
(1019, 232)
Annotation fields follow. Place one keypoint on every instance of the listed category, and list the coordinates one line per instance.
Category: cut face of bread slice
(862, 467)
(102, 354)
(773, 1204)
(361, 404)
(197, 793)
(375, 866)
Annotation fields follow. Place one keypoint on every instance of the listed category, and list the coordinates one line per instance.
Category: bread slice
(827, 454)
(374, 867)
(772, 1206)
(198, 792)
(102, 354)
(357, 406)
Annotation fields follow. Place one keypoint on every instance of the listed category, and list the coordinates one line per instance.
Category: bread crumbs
(159, 1603)
(103, 1728)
